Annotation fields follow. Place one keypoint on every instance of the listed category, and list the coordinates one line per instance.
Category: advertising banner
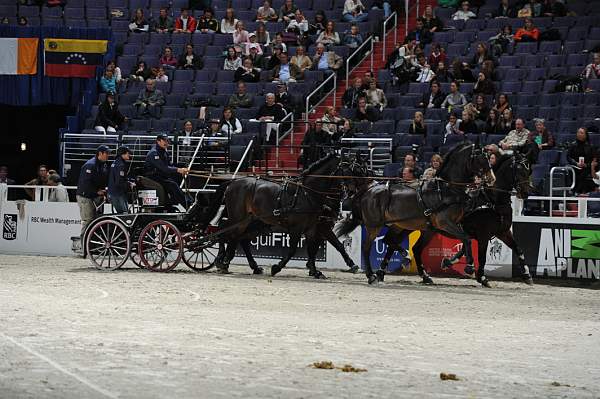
(397, 262)
(275, 245)
(441, 247)
(559, 250)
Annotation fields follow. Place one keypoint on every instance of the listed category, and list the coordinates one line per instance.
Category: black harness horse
(305, 206)
(438, 204)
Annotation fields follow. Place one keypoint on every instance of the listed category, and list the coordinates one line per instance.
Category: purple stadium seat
(29, 11)
(202, 40)
(594, 84)
(172, 112)
(183, 75)
(549, 157)
(213, 63)
(510, 61)
(568, 127)
(241, 4)
(134, 49)
(213, 51)
(591, 98)
(532, 60)
(248, 113)
(571, 99)
(577, 34)
(594, 33)
(165, 87)
(564, 21)
(313, 76)
(549, 99)
(49, 21)
(175, 99)
(475, 24)
(383, 126)
(119, 26)
(225, 87)
(577, 59)
(456, 50)
(513, 75)
(159, 39)
(204, 76)
(484, 36)
(322, 5)
(225, 76)
(549, 85)
(527, 100)
(137, 37)
(443, 37)
(72, 12)
(467, 36)
(75, 22)
(163, 125)
(456, 24)
(206, 88)
(527, 113)
(573, 47)
(567, 113)
(96, 13)
(222, 40)
(134, 4)
(139, 124)
(550, 47)
(591, 111)
(526, 48)
(180, 39)
(548, 113)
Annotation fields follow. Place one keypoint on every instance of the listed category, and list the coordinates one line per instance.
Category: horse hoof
(372, 279)
(258, 270)
(354, 269)
(427, 280)
(446, 264)
(380, 275)
(470, 270)
(484, 282)
(223, 270)
(527, 279)
(319, 275)
(275, 269)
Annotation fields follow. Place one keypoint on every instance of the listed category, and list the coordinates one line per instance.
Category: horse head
(463, 162)
(356, 172)
(521, 172)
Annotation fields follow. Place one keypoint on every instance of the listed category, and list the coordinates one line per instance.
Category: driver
(158, 167)
(91, 186)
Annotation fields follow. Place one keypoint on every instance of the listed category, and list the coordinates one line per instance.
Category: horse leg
(393, 240)
(509, 240)
(330, 236)
(312, 247)
(223, 267)
(367, 244)
(294, 240)
(220, 255)
(419, 246)
(245, 244)
(482, 246)
(448, 262)
(470, 267)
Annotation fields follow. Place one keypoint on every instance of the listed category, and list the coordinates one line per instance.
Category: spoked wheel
(160, 246)
(199, 257)
(108, 245)
(135, 256)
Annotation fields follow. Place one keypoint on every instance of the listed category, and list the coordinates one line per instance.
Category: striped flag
(18, 56)
(73, 58)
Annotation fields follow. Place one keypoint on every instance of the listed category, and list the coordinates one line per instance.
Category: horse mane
(454, 150)
(500, 161)
(317, 164)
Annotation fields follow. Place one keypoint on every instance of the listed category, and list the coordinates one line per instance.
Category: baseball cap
(123, 150)
(102, 148)
(162, 136)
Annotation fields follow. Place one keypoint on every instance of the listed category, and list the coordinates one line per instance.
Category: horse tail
(346, 225)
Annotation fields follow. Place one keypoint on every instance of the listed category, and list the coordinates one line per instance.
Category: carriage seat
(145, 183)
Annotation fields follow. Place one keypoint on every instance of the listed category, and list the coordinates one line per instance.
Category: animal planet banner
(558, 250)
(275, 245)
(397, 262)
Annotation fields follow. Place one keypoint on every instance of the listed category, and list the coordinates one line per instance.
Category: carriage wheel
(135, 256)
(108, 245)
(199, 257)
(160, 246)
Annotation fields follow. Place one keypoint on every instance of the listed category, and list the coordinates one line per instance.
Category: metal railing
(241, 162)
(564, 189)
(309, 109)
(394, 17)
(582, 206)
(358, 52)
(374, 147)
(40, 193)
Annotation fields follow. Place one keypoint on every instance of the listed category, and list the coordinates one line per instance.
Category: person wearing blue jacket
(118, 183)
(158, 167)
(91, 186)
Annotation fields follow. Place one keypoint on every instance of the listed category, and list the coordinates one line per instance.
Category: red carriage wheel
(108, 244)
(160, 246)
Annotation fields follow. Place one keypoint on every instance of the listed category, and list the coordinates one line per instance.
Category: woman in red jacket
(528, 33)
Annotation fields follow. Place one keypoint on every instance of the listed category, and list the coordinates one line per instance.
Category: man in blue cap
(158, 167)
(91, 186)
(118, 184)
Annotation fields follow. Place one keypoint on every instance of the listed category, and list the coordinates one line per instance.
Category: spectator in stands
(400, 58)
(507, 124)
(455, 101)
(480, 109)
(424, 73)
(581, 154)
(301, 60)
(464, 13)
(418, 125)
(40, 180)
(492, 123)
(164, 23)
(252, 44)
(108, 82)
(270, 111)
(274, 59)
(434, 98)
(139, 23)
(279, 42)
(298, 25)
(484, 85)
(532, 8)
(112, 66)
(185, 23)
(230, 125)
(312, 144)
(4, 179)
(330, 121)
(287, 11)
(452, 126)
(59, 192)
(505, 10)
(467, 124)
(410, 161)
(436, 163)
(4, 21)
(376, 97)
(283, 98)
(266, 13)
(188, 132)
(528, 33)
(436, 56)
(168, 60)
(189, 59)
(22, 21)
(554, 8)
(286, 71)
(233, 61)
(160, 75)
(481, 55)
(409, 178)
(207, 22)
(247, 72)
(140, 72)
(352, 94)
(516, 138)
(240, 35)
(329, 37)
(365, 113)
(502, 104)
(430, 21)
(592, 71)
(319, 23)
(368, 77)
(353, 39)
(442, 74)
(258, 60)
(262, 35)
(326, 60)
(421, 35)
(345, 130)
(109, 118)
(229, 22)
(150, 101)
(354, 11)
(541, 137)
(462, 72)
(500, 42)
(488, 69)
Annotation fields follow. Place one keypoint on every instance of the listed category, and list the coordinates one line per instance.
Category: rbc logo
(9, 227)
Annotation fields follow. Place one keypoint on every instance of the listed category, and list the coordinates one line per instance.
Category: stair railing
(316, 91)
(393, 17)
(357, 52)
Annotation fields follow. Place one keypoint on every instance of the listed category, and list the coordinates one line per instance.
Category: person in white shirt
(354, 11)
(230, 125)
(228, 23)
(464, 12)
(299, 23)
(59, 192)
